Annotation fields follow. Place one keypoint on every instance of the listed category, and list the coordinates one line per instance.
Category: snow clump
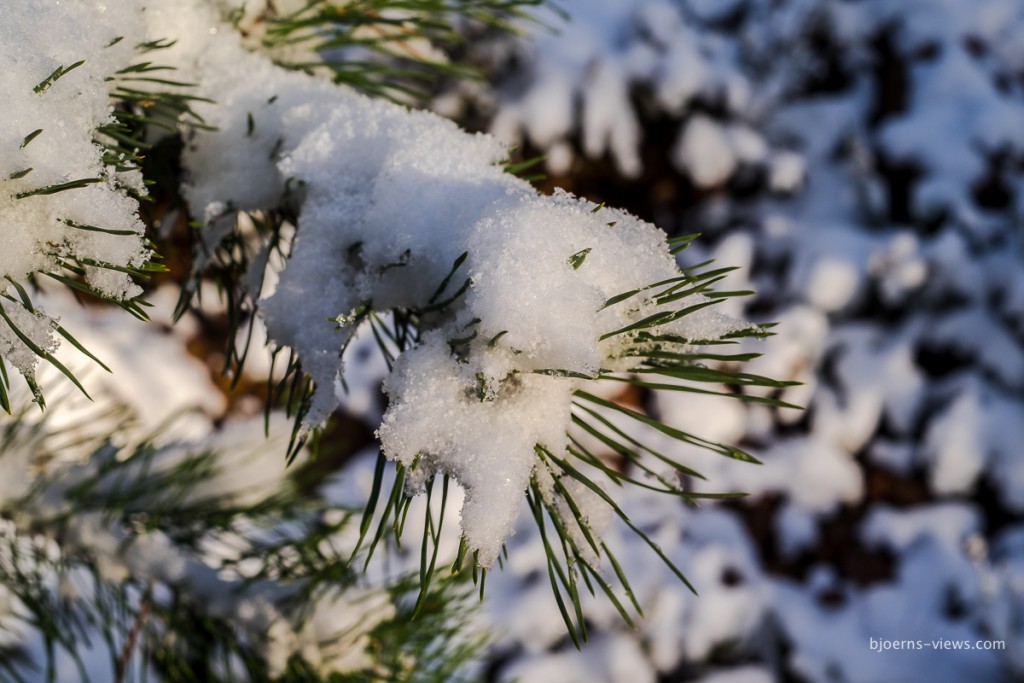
(397, 210)
(58, 59)
(401, 210)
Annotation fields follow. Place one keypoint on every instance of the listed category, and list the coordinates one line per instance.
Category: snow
(899, 309)
(367, 176)
(487, 445)
(952, 446)
(796, 528)
(904, 324)
(177, 388)
(950, 524)
(788, 171)
(33, 325)
(706, 151)
(746, 674)
(243, 468)
(49, 137)
(616, 659)
(821, 244)
(608, 120)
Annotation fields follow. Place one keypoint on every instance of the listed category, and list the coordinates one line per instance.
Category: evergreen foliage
(119, 548)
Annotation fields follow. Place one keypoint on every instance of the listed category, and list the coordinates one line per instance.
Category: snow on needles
(57, 59)
(397, 210)
(401, 209)
(898, 301)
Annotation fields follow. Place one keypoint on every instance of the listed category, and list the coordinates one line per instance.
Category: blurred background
(861, 163)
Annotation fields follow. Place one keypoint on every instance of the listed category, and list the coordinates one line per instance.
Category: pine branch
(277, 546)
(394, 49)
(140, 103)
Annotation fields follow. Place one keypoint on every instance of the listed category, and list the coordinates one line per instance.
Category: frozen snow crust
(880, 219)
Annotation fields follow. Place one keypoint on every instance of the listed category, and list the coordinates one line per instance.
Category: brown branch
(145, 608)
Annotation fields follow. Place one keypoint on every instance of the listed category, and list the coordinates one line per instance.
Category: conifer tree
(321, 205)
